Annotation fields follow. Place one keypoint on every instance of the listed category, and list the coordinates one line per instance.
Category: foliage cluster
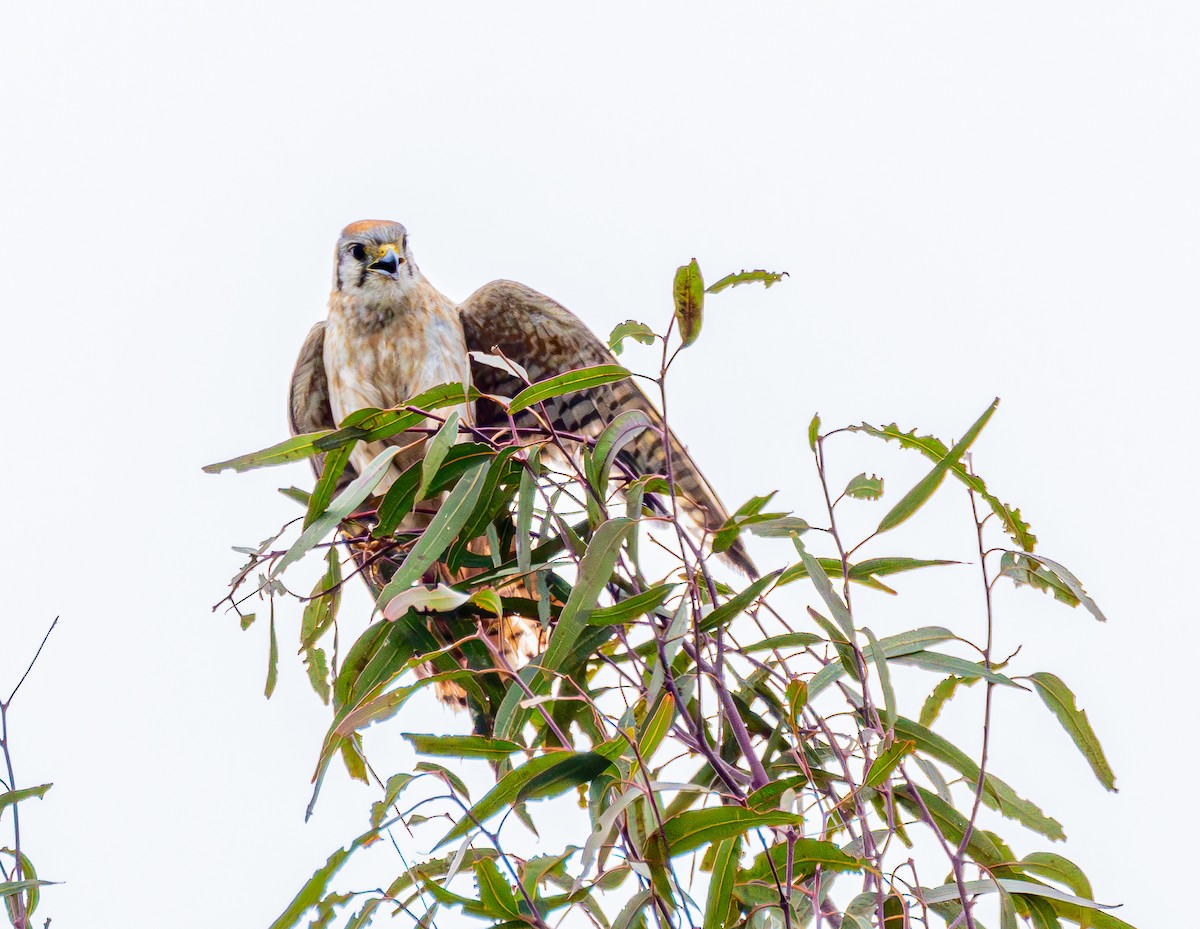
(738, 766)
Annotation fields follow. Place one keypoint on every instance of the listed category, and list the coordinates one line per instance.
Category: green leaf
(808, 855)
(720, 890)
(657, 727)
(294, 449)
(449, 519)
(595, 570)
(887, 761)
(322, 607)
(495, 893)
(525, 496)
(893, 646)
(623, 429)
(318, 672)
(314, 889)
(933, 448)
(345, 504)
(693, 828)
(566, 383)
(367, 425)
(510, 786)
(435, 453)
(631, 608)
(630, 329)
(1051, 576)
(1061, 701)
(936, 661)
(16, 796)
(738, 603)
(272, 661)
(462, 746)
(758, 276)
(997, 795)
(924, 489)
(1058, 869)
(862, 487)
(395, 785)
(814, 431)
(688, 291)
(579, 768)
(937, 698)
(398, 502)
(951, 892)
(445, 774)
(335, 464)
(879, 657)
(821, 581)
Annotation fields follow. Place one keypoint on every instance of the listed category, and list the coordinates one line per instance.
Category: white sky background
(972, 200)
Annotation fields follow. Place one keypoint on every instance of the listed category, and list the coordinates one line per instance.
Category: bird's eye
(358, 252)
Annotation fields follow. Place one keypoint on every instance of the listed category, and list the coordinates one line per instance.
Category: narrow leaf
(688, 291)
(1061, 701)
(566, 383)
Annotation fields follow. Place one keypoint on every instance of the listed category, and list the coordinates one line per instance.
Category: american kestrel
(391, 335)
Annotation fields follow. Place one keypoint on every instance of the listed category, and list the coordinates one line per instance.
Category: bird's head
(373, 260)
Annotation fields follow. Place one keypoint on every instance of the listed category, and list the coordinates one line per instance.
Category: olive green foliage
(739, 763)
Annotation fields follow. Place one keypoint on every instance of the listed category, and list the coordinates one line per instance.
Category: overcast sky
(972, 200)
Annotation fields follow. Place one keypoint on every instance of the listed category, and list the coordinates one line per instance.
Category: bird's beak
(388, 263)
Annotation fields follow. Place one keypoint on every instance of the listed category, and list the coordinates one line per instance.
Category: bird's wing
(308, 399)
(547, 339)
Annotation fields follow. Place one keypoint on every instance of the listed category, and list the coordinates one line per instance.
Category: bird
(390, 335)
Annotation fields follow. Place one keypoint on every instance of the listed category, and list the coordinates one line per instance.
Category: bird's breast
(420, 347)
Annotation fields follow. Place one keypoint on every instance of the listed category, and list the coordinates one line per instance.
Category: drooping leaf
(879, 659)
(997, 795)
(688, 291)
(814, 431)
(272, 660)
(566, 383)
(758, 276)
(630, 329)
(1039, 571)
(821, 581)
(1058, 869)
(435, 453)
(1061, 702)
(720, 889)
(335, 464)
(322, 607)
(395, 785)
